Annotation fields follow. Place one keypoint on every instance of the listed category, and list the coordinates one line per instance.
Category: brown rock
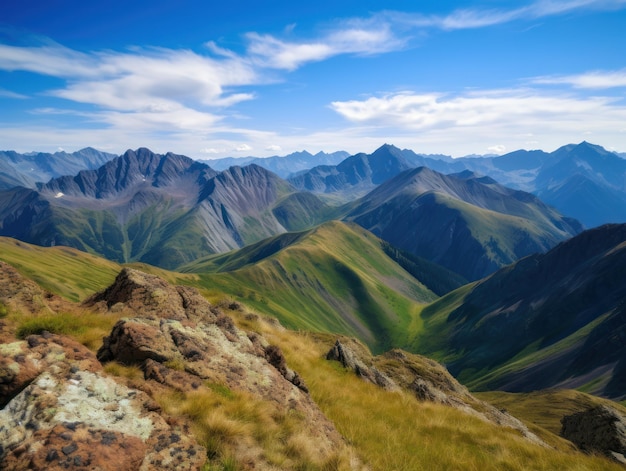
(22, 361)
(143, 295)
(75, 446)
(353, 356)
(182, 342)
(66, 419)
(600, 429)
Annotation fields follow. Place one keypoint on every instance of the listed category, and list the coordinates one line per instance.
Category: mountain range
(168, 210)
(283, 166)
(582, 181)
(28, 169)
(247, 303)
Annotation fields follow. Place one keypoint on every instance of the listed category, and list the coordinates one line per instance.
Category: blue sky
(237, 78)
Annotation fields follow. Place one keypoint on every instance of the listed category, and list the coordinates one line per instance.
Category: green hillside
(335, 278)
(383, 430)
(549, 320)
(61, 270)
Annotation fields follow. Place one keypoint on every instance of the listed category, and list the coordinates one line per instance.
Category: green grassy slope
(552, 320)
(62, 270)
(334, 278)
(386, 430)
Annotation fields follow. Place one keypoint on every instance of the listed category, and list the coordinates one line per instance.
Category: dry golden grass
(395, 431)
(123, 371)
(238, 429)
(84, 326)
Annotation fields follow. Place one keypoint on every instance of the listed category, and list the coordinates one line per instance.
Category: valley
(396, 254)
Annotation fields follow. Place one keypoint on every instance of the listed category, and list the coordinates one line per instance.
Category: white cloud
(9, 94)
(269, 51)
(470, 119)
(590, 80)
(497, 149)
(472, 109)
(178, 99)
(470, 18)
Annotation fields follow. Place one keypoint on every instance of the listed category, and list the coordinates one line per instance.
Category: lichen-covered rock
(600, 429)
(22, 361)
(76, 446)
(73, 419)
(60, 412)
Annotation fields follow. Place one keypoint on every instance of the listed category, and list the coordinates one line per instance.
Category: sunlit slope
(334, 278)
(62, 270)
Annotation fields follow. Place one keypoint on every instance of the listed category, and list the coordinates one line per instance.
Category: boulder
(352, 355)
(600, 429)
(23, 361)
(62, 413)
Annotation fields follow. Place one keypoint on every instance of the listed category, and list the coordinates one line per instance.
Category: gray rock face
(601, 429)
(352, 360)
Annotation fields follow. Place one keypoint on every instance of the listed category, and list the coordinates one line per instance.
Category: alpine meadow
(315, 237)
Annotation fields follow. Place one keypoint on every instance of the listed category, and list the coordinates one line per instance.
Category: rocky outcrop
(353, 357)
(600, 429)
(22, 362)
(423, 377)
(177, 325)
(182, 342)
(61, 412)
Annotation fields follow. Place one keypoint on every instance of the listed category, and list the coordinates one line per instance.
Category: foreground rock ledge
(68, 415)
(183, 342)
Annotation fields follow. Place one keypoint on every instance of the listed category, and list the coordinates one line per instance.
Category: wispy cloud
(589, 80)
(155, 92)
(470, 18)
(476, 108)
(508, 116)
(9, 94)
(269, 51)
